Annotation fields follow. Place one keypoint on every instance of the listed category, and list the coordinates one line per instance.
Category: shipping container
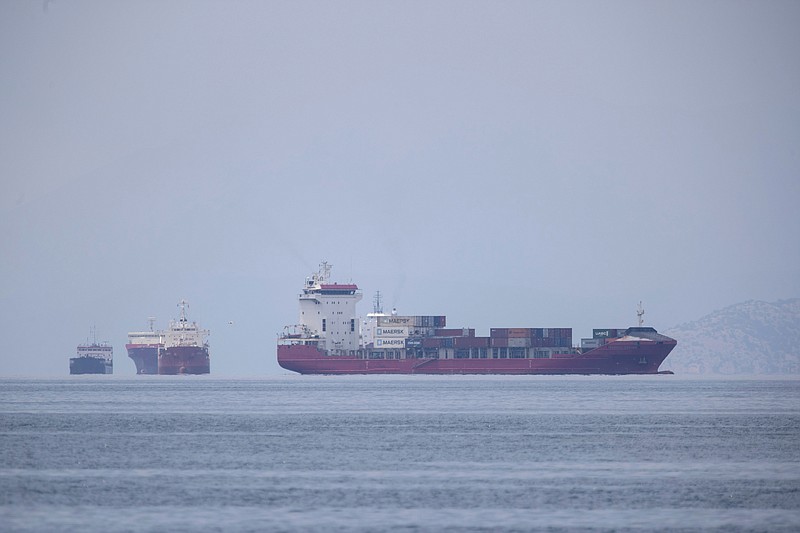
(432, 342)
(519, 332)
(498, 333)
(419, 321)
(499, 342)
(454, 332)
(394, 320)
(471, 342)
(518, 342)
(390, 343)
(590, 344)
(545, 342)
(608, 333)
(391, 331)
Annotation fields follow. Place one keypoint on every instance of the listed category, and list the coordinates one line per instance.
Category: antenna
(377, 304)
(152, 321)
(183, 304)
(640, 314)
(324, 271)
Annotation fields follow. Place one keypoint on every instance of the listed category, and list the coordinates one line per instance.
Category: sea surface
(399, 453)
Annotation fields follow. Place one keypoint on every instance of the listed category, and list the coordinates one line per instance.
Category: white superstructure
(151, 337)
(98, 350)
(328, 312)
(181, 332)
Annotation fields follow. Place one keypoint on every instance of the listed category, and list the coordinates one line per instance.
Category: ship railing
(296, 331)
(293, 340)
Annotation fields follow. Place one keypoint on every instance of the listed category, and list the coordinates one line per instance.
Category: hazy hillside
(751, 337)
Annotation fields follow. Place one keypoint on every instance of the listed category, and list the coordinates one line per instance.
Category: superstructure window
(323, 325)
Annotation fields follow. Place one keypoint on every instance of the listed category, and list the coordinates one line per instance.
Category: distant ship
(185, 348)
(143, 348)
(331, 339)
(93, 358)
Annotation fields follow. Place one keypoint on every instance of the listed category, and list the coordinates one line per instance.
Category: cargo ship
(93, 358)
(143, 348)
(330, 339)
(185, 349)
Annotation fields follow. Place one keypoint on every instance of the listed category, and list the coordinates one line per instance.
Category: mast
(640, 314)
(183, 304)
(324, 272)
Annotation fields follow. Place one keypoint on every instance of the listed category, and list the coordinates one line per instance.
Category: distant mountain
(751, 337)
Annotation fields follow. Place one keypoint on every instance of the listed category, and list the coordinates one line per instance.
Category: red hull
(643, 357)
(184, 360)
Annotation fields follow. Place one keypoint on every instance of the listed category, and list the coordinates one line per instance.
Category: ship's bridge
(328, 310)
(336, 289)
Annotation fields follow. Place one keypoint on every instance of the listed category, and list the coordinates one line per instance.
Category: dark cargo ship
(93, 358)
(329, 339)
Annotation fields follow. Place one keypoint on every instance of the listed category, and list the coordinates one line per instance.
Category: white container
(391, 331)
(389, 343)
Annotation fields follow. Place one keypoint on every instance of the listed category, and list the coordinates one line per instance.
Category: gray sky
(541, 164)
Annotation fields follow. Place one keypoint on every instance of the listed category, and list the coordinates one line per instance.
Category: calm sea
(421, 453)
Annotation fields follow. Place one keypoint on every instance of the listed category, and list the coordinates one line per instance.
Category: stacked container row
(419, 321)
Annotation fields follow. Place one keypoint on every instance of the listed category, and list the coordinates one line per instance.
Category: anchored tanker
(143, 349)
(185, 349)
(180, 349)
(330, 339)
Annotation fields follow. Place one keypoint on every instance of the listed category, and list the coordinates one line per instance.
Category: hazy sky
(540, 164)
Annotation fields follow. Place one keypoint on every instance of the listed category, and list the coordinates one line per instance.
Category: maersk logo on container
(390, 343)
(392, 332)
(396, 320)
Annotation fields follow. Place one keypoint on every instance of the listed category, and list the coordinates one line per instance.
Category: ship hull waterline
(612, 359)
(144, 356)
(183, 360)
(90, 365)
